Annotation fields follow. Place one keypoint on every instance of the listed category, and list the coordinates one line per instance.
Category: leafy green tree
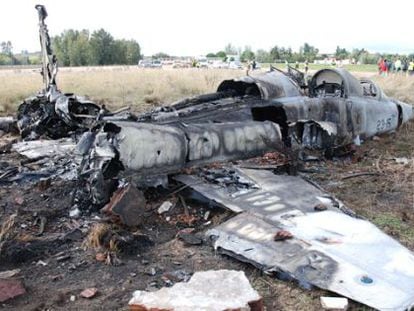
(133, 52)
(274, 54)
(211, 55)
(221, 54)
(102, 48)
(126, 52)
(308, 52)
(6, 54)
(247, 54)
(341, 53)
(263, 56)
(79, 49)
(7, 48)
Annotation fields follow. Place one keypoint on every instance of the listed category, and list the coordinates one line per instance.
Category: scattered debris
(19, 200)
(190, 238)
(8, 124)
(226, 290)
(41, 263)
(100, 257)
(165, 207)
(360, 174)
(329, 249)
(74, 212)
(151, 271)
(128, 203)
(38, 149)
(177, 276)
(89, 292)
(283, 235)
(334, 303)
(403, 161)
(117, 161)
(320, 207)
(9, 273)
(11, 288)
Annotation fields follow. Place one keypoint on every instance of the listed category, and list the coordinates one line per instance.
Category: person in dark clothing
(404, 65)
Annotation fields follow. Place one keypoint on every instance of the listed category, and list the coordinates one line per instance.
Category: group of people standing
(386, 66)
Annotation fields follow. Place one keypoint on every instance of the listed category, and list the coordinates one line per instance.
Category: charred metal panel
(224, 141)
(8, 124)
(317, 134)
(267, 195)
(269, 86)
(144, 147)
(328, 248)
(407, 111)
(373, 117)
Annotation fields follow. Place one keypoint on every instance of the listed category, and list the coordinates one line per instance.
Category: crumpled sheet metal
(329, 249)
(270, 195)
(45, 148)
(317, 134)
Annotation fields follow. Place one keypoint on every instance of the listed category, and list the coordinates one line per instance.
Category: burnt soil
(59, 257)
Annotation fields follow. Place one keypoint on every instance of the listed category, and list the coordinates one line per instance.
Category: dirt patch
(59, 257)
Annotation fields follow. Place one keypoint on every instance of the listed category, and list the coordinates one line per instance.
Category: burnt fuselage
(336, 106)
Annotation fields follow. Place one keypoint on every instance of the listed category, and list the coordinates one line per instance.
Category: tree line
(306, 52)
(80, 48)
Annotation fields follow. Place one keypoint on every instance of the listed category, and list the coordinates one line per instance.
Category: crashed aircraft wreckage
(321, 242)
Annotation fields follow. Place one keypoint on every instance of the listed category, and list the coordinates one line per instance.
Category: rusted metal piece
(128, 203)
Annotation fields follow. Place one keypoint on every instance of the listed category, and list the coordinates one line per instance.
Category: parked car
(218, 64)
(202, 62)
(235, 65)
(149, 63)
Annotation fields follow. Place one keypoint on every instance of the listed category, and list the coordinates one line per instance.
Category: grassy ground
(142, 88)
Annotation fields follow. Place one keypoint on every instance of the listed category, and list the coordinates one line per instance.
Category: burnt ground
(60, 256)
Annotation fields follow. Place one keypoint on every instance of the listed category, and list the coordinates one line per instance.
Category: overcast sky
(185, 27)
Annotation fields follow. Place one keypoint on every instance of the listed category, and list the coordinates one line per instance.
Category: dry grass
(115, 86)
(143, 88)
(96, 235)
(7, 226)
(398, 86)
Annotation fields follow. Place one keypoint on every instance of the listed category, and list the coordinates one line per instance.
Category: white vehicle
(149, 63)
(235, 65)
(218, 64)
(202, 62)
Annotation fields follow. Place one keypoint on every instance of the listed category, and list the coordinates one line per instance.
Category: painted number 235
(383, 124)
